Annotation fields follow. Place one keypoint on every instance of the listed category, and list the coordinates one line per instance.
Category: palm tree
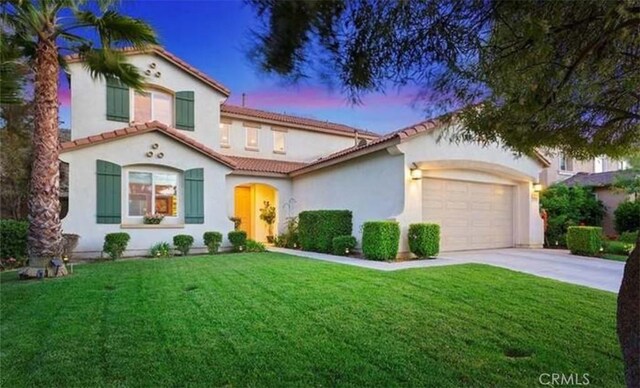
(45, 31)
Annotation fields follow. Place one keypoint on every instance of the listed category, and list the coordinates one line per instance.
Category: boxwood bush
(212, 240)
(317, 228)
(424, 240)
(13, 239)
(115, 244)
(238, 240)
(380, 240)
(183, 243)
(343, 245)
(628, 237)
(584, 240)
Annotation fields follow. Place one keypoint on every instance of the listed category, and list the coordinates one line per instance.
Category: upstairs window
(252, 138)
(225, 134)
(566, 163)
(279, 145)
(153, 105)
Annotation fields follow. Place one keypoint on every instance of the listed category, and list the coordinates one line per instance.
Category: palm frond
(116, 30)
(13, 70)
(106, 63)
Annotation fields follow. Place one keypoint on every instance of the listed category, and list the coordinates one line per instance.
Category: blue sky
(214, 36)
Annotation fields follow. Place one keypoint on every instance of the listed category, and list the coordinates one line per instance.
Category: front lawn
(271, 320)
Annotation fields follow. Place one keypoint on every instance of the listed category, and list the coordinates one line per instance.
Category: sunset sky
(214, 36)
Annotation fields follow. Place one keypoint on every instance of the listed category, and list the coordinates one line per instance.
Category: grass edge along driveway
(271, 319)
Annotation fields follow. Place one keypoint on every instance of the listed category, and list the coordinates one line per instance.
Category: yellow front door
(243, 208)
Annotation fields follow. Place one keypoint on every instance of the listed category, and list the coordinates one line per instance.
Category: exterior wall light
(537, 187)
(416, 173)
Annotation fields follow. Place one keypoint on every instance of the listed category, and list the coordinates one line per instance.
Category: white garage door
(471, 215)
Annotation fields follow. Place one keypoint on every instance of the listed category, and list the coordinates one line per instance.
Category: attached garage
(471, 215)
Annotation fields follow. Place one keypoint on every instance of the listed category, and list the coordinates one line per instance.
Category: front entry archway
(249, 198)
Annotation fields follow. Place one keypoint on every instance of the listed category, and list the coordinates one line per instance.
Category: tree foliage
(560, 75)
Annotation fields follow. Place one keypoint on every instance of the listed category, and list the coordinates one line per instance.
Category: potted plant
(152, 218)
(268, 215)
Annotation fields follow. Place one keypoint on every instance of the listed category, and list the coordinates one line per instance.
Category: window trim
(153, 192)
(246, 139)
(150, 88)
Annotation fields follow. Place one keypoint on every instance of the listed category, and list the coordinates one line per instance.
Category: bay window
(152, 192)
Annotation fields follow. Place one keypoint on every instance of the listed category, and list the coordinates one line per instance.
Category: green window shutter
(194, 196)
(185, 111)
(109, 193)
(117, 101)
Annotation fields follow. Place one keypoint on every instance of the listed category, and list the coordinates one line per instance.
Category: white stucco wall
(128, 152)
(372, 187)
(89, 105)
(300, 145)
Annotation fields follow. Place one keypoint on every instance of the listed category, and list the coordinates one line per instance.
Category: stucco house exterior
(563, 167)
(180, 150)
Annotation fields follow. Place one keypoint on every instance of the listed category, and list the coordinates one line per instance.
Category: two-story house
(178, 149)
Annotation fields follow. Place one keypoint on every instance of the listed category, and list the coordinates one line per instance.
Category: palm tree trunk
(45, 232)
(629, 317)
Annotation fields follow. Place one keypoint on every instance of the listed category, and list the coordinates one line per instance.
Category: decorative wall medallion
(160, 155)
(155, 146)
(149, 154)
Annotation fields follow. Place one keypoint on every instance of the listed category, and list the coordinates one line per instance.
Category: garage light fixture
(416, 173)
(537, 187)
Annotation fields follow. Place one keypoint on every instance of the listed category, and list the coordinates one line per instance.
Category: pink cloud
(315, 97)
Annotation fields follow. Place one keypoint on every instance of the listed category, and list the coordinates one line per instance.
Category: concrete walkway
(553, 264)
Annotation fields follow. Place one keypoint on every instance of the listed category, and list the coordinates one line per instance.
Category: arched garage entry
(249, 198)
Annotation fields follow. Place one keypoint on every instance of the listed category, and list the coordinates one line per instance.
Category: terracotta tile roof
(599, 179)
(162, 52)
(145, 128)
(310, 124)
(265, 165)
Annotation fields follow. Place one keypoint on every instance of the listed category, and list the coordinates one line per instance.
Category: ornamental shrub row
(317, 228)
(584, 240)
(380, 240)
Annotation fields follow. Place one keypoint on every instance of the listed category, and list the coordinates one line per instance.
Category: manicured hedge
(183, 243)
(115, 244)
(343, 245)
(238, 239)
(380, 240)
(584, 240)
(13, 239)
(424, 240)
(317, 228)
(629, 237)
(212, 240)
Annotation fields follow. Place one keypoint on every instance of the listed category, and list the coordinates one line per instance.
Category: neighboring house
(602, 184)
(563, 167)
(178, 149)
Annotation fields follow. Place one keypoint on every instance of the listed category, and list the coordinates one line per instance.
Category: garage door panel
(471, 215)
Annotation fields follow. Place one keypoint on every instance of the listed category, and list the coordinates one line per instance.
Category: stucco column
(412, 212)
(530, 227)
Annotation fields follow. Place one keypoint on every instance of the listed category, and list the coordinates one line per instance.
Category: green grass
(272, 320)
(611, 256)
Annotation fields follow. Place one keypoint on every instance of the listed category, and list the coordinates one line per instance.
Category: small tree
(268, 215)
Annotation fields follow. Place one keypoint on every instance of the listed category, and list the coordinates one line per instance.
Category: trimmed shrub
(568, 206)
(161, 249)
(584, 240)
(627, 217)
(254, 246)
(343, 245)
(380, 240)
(618, 248)
(212, 240)
(115, 244)
(183, 243)
(317, 228)
(238, 240)
(424, 240)
(628, 237)
(13, 239)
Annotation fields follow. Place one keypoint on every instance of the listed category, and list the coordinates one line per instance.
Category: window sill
(252, 149)
(225, 145)
(151, 226)
(564, 172)
(279, 152)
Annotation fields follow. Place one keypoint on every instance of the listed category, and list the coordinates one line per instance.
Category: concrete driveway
(549, 263)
